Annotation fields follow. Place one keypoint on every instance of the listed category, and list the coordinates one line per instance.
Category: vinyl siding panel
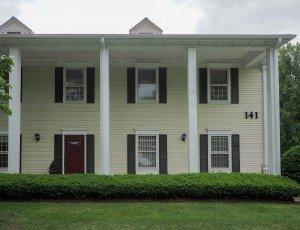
(232, 117)
(3, 122)
(41, 115)
(169, 118)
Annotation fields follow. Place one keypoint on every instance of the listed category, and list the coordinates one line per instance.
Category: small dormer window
(13, 32)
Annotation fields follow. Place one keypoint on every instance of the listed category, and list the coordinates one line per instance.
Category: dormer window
(13, 32)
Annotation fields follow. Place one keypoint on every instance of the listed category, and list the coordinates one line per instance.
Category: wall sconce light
(183, 137)
(37, 137)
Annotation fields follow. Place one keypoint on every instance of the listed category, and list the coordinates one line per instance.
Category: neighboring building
(143, 102)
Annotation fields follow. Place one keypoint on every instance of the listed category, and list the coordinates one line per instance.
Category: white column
(273, 112)
(14, 121)
(104, 109)
(192, 103)
(265, 118)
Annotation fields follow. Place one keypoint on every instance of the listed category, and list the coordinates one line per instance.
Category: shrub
(290, 163)
(52, 168)
(193, 186)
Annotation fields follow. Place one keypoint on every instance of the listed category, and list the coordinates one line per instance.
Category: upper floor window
(75, 84)
(3, 151)
(219, 151)
(219, 85)
(147, 84)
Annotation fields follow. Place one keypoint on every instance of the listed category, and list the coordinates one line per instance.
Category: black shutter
(58, 152)
(162, 76)
(203, 85)
(20, 164)
(21, 93)
(131, 153)
(203, 153)
(59, 81)
(90, 85)
(130, 85)
(90, 153)
(163, 156)
(235, 148)
(234, 78)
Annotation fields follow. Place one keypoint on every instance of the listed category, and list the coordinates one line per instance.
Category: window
(219, 151)
(75, 84)
(219, 85)
(3, 151)
(147, 152)
(147, 84)
(13, 32)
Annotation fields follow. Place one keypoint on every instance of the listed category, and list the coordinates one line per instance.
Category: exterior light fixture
(183, 137)
(37, 137)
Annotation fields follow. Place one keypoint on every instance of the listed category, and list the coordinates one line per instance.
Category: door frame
(71, 133)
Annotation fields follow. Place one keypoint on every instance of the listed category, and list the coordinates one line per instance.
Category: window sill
(147, 171)
(3, 170)
(218, 102)
(74, 102)
(220, 170)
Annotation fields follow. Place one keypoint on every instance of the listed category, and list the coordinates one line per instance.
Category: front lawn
(152, 215)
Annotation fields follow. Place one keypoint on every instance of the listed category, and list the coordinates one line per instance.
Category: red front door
(74, 154)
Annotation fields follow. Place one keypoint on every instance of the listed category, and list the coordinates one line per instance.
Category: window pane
(74, 77)
(147, 84)
(3, 150)
(74, 84)
(218, 93)
(3, 143)
(75, 93)
(3, 161)
(220, 160)
(147, 151)
(219, 144)
(218, 76)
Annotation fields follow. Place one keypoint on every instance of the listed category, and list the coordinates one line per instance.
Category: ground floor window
(147, 152)
(219, 151)
(3, 151)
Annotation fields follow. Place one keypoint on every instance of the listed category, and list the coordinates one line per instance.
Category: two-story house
(142, 102)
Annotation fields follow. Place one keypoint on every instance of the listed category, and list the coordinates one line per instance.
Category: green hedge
(290, 163)
(193, 186)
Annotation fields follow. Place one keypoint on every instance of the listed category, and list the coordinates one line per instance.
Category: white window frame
(4, 169)
(228, 101)
(225, 134)
(65, 84)
(149, 66)
(148, 170)
(75, 132)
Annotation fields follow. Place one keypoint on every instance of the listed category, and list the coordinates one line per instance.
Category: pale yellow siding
(41, 115)
(3, 122)
(232, 117)
(170, 119)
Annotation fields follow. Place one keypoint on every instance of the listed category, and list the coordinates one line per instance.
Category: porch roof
(155, 39)
(242, 49)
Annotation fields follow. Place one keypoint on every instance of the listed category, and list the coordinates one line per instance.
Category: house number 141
(251, 115)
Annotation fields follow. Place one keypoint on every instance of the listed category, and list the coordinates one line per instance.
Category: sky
(173, 16)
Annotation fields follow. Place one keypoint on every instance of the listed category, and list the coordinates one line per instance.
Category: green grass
(149, 215)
